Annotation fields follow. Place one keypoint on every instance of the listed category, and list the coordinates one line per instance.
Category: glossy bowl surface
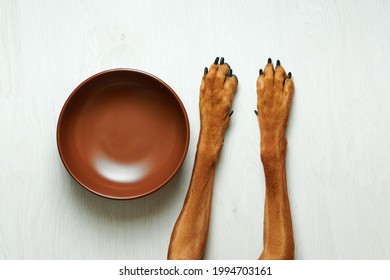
(123, 134)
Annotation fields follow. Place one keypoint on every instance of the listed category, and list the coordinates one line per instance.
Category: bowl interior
(123, 134)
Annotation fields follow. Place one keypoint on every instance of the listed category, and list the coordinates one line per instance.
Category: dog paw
(216, 97)
(275, 90)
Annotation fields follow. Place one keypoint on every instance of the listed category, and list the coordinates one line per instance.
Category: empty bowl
(123, 134)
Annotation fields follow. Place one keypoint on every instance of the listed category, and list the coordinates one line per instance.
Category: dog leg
(189, 236)
(274, 94)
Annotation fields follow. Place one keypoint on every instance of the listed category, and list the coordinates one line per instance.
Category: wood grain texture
(338, 160)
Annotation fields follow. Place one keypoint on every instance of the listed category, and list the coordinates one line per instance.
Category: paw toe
(210, 75)
(280, 76)
(260, 84)
(288, 91)
(269, 77)
(230, 84)
(288, 86)
(220, 75)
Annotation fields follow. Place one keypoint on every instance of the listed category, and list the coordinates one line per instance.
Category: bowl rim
(76, 90)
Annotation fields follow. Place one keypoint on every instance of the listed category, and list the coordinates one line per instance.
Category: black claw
(289, 75)
(257, 113)
(222, 61)
(261, 72)
(230, 73)
(216, 60)
(206, 70)
(278, 62)
(269, 60)
(231, 113)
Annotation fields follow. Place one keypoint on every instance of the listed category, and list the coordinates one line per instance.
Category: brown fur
(189, 236)
(274, 91)
(274, 95)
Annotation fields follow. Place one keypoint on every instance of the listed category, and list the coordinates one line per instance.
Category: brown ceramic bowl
(123, 134)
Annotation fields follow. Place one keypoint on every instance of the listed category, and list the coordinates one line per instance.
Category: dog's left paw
(275, 90)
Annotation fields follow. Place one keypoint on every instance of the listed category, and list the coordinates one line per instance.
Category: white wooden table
(339, 130)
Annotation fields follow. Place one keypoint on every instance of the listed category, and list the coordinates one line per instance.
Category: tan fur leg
(274, 94)
(189, 236)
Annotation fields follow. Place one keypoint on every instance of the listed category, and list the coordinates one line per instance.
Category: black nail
(261, 72)
(289, 75)
(230, 73)
(231, 113)
(206, 71)
(278, 62)
(216, 60)
(257, 113)
(269, 60)
(222, 61)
